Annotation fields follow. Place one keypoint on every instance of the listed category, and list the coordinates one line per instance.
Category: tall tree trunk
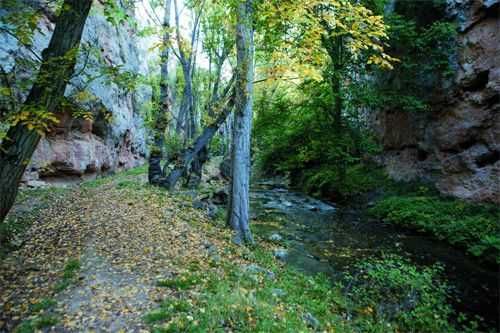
(163, 115)
(238, 214)
(339, 129)
(187, 58)
(58, 65)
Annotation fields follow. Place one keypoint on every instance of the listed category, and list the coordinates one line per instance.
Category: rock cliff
(456, 144)
(115, 137)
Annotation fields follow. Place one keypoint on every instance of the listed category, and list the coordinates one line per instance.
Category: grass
(37, 323)
(41, 311)
(70, 273)
(389, 295)
(41, 317)
(127, 178)
(473, 227)
(43, 305)
(181, 283)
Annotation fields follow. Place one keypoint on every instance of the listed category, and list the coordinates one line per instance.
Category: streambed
(323, 238)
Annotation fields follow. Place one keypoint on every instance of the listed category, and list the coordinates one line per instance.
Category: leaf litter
(126, 239)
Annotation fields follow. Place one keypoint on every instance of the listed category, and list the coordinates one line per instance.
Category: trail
(125, 236)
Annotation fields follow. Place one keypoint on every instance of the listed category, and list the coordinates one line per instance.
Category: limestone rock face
(80, 147)
(457, 144)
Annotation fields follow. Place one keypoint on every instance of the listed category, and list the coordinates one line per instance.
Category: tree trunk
(190, 153)
(58, 65)
(238, 213)
(163, 114)
(185, 119)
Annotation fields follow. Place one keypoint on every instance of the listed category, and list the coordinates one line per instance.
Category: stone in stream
(280, 254)
(275, 238)
(311, 207)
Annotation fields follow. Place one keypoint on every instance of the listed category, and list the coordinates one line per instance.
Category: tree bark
(238, 213)
(163, 114)
(189, 154)
(57, 67)
(187, 58)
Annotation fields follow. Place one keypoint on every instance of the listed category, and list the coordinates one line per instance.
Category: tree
(162, 116)
(239, 204)
(186, 54)
(58, 64)
(195, 152)
(331, 42)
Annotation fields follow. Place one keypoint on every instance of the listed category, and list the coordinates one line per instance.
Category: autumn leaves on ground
(116, 254)
(93, 257)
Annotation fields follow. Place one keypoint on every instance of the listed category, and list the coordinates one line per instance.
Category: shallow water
(323, 238)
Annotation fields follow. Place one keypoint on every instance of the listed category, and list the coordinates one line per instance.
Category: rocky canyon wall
(456, 144)
(115, 137)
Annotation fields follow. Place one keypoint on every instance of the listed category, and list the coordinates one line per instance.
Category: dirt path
(123, 236)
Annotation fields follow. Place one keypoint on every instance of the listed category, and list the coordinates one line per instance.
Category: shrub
(393, 292)
(470, 226)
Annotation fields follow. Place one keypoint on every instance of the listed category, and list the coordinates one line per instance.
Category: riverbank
(470, 227)
(116, 253)
(335, 242)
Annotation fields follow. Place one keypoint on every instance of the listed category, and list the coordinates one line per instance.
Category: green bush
(394, 293)
(358, 179)
(297, 136)
(470, 226)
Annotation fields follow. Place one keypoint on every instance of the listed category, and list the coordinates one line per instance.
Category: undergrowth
(473, 227)
(384, 295)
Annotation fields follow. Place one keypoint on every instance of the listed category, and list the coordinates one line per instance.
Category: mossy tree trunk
(162, 115)
(58, 64)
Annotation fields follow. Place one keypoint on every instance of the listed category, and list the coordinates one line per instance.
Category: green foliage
(36, 324)
(70, 272)
(173, 145)
(391, 292)
(424, 41)
(34, 118)
(297, 134)
(358, 179)
(470, 226)
(116, 13)
(181, 282)
(382, 295)
(21, 21)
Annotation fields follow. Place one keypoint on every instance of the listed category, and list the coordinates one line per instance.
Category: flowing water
(323, 238)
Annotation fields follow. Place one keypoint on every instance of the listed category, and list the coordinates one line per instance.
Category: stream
(322, 238)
